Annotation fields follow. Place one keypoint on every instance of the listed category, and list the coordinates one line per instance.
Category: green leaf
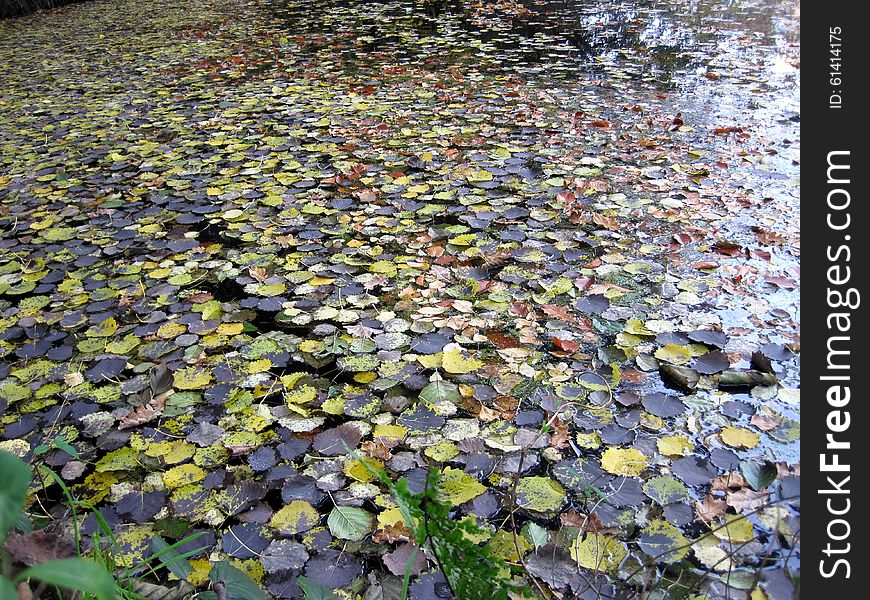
(237, 582)
(16, 478)
(315, 591)
(438, 391)
(350, 523)
(61, 444)
(758, 475)
(7, 590)
(74, 574)
(536, 534)
(170, 557)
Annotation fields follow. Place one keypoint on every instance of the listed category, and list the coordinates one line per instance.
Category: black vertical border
(825, 129)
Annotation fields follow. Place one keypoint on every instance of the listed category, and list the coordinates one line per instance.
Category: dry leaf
(710, 509)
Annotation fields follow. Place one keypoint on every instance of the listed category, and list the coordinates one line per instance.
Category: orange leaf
(566, 345)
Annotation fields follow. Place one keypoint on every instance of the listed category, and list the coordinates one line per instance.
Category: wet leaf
(397, 560)
(540, 494)
(623, 461)
(598, 552)
(296, 517)
(458, 487)
(664, 490)
(664, 542)
(739, 437)
(758, 475)
(453, 361)
(350, 523)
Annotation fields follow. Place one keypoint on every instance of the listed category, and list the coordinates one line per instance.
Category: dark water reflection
(649, 40)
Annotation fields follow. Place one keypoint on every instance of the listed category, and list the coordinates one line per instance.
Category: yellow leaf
(191, 378)
(454, 362)
(182, 475)
(230, 328)
(737, 529)
(318, 281)
(296, 517)
(623, 461)
(259, 366)
(598, 552)
(390, 431)
(430, 361)
(738, 437)
(442, 451)
(390, 516)
(106, 328)
(458, 487)
(674, 354)
(674, 445)
(356, 469)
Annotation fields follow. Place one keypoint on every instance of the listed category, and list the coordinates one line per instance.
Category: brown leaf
(38, 547)
(502, 340)
(728, 481)
(378, 449)
(764, 422)
(200, 297)
(558, 312)
(607, 222)
(728, 248)
(705, 264)
(768, 238)
(392, 533)
(590, 523)
(397, 560)
(489, 415)
(747, 499)
(782, 282)
(584, 282)
(710, 509)
(258, 273)
(144, 413)
(560, 436)
(566, 345)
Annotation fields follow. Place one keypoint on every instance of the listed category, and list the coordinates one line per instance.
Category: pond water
(559, 238)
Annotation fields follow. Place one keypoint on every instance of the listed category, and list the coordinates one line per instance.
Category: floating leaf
(453, 361)
(623, 461)
(191, 378)
(296, 517)
(739, 437)
(350, 523)
(439, 391)
(540, 494)
(736, 529)
(183, 475)
(674, 445)
(758, 475)
(598, 552)
(458, 487)
(103, 329)
(664, 490)
(663, 541)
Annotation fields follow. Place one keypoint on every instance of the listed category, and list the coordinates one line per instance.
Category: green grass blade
(315, 591)
(74, 574)
(16, 477)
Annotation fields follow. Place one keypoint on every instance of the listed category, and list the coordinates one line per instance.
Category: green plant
(127, 580)
(471, 570)
(223, 577)
(85, 576)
